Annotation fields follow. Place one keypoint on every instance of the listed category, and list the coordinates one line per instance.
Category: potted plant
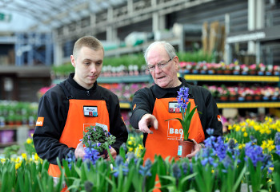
(95, 137)
(223, 93)
(232, 93)
(185, 145)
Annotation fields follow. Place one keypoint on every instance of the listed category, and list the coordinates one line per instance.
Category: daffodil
(24, 156)
(17, 165)
(29, 141)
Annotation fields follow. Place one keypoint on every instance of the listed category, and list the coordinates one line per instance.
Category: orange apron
(163, 141)
(77, 122)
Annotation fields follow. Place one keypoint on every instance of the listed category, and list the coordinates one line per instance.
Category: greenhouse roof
(44, 15)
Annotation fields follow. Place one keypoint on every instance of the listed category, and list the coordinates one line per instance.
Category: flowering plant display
(96, 137)
(184, 105)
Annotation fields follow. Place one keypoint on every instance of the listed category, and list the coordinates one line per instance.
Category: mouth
(160, 77)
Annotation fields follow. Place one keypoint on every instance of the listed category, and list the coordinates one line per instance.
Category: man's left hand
(113, 153)
(196, 148)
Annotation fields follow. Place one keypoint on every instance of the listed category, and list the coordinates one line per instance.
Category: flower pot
(253, 72)
(232, 98)
(257, 97)
(227, 72)
(223, 98)
(248, 97)
(184, 147)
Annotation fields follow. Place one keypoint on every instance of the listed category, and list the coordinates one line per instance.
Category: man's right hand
(146, 121)
(80, 151)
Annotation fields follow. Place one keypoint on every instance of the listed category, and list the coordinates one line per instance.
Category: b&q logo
(40, 121)
(174, 133)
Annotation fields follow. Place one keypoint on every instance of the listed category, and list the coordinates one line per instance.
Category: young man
(152, 106)
(65, 110)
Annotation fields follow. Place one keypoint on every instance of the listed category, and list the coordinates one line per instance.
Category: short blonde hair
(87, 41)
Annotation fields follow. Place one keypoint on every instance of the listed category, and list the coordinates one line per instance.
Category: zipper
(88, 93)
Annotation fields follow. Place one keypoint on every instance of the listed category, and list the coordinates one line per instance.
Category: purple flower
(277, 151)
(277, 138)
(120, 166)
(255, 153)
(70, 158)
(146, 171)
(208, 157)
(210, 131)
(182, 98)
(176, 171)
(91, 154)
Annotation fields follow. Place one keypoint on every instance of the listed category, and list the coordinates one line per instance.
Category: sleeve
(141, 105)
(117, 125)
(213, 116)
(46, 137)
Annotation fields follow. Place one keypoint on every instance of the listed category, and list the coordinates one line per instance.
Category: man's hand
(80, 151)
(113, 153)
(196, 148)
(146, 121)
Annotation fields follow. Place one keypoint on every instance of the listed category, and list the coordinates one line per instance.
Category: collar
(170, 92)
(77, 86)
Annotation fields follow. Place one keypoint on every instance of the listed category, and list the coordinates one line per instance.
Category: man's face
(88, 65)
(166, 76)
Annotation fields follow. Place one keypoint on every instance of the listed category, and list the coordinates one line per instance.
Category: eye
(161, 65)
(151, 67)
(98, 63)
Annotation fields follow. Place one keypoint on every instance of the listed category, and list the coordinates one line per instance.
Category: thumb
(155, 122)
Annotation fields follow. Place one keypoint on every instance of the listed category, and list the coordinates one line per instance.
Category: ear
(177, 63)
(72, 60)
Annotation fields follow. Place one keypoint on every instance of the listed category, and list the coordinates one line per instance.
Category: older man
(153, 107)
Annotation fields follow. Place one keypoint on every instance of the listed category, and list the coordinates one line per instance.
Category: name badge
(173, 107)
(90, 111)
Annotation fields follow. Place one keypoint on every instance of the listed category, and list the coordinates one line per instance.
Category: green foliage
(11, 150)
(96, 135)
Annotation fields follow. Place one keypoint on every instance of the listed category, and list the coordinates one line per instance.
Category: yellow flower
(17, 165)
(271, 168)
(131, 138)
(237, 128)
(243, 129)
(140, 146)
(262, 131)
(141, 136)
(3, 160)
(241, 146)
(130, 149)
(245, 134)
(129, 142)
(24, 156)
(29, 141)
(257, 127)
(213, 171)
(36, 157)
(243, 124)
(230, 127)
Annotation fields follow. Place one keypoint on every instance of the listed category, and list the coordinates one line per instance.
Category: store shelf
(121, 79)
(125, 105)
(241, 78)
(125, 79)
(16, 127)
(249, 105)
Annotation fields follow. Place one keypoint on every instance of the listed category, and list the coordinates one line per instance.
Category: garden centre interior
(230, 47)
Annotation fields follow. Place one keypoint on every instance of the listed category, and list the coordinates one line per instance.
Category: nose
(157, 69)
(93, 68)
